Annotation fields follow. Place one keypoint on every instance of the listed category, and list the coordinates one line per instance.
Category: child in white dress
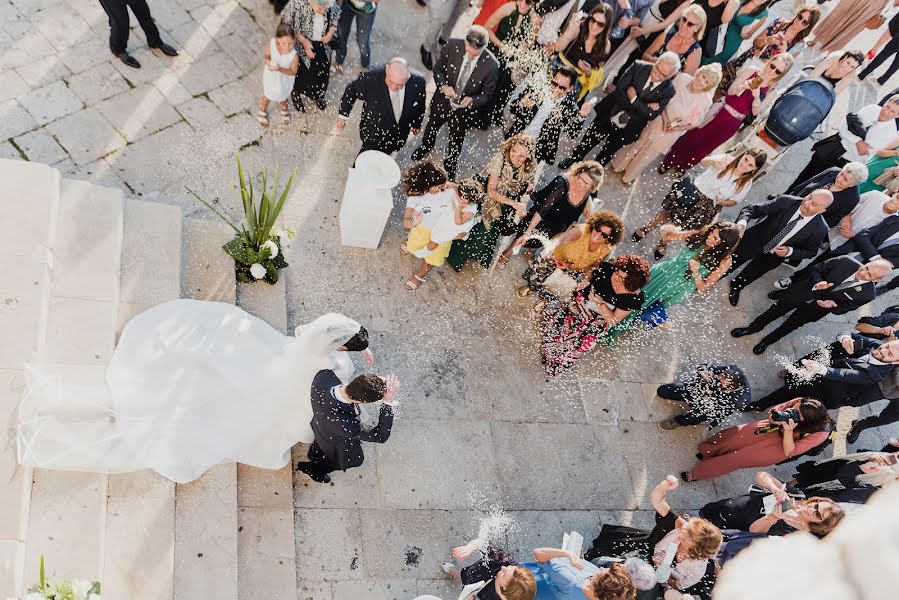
(281, 65)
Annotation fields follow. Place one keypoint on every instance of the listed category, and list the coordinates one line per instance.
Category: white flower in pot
(272, 248)
(257, 271)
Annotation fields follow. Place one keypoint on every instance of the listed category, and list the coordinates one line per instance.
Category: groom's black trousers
(319, 463)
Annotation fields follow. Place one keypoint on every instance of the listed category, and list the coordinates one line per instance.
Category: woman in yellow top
(576, 252)
(585, 45)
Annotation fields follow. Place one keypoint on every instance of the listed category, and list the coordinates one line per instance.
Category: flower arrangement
(256, 247)
(67, 589)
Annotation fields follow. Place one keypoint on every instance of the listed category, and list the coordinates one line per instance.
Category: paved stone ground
(479, 427)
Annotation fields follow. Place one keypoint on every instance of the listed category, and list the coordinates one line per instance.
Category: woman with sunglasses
(765, 442)
(745, 24)
(584, 47)
(844, 22)
(781, 36)
(693, 203)
(683, 40)
(681, 546)
(747, 512)
(749, 94)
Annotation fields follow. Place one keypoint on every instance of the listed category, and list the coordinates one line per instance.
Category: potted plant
(256, 247)
(66, 589)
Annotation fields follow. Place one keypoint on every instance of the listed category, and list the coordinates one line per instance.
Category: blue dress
(558, 580)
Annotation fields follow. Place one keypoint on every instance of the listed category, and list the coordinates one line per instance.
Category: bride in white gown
(191, 384)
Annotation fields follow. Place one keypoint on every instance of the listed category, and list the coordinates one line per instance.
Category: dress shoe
(128, 60)
(166, 49)
(426, 59)
(700, 456)
(734, 296)
(760, 348)
(853, 434)
(422, 2)
(303, 468)
(776, 294)
(783, 283)
(740, 331)
(668, 424)
(419, 154)
(565, 163)
(298, 103)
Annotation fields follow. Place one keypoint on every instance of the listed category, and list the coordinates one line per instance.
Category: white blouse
(725, 188)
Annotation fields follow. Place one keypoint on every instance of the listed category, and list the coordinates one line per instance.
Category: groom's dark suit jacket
(336, 424)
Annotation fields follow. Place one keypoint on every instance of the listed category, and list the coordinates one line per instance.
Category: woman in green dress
(513, 33)
(884, 159)
(705, 259)
(506, 178)
(749, 18)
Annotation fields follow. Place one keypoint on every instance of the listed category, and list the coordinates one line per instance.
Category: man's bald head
(397, 73)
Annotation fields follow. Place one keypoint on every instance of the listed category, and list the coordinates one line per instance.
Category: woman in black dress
(747, 512)
(851, 471)
(315, 23)
(556, 206)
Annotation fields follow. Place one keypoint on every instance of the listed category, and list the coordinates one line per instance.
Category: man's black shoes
(165, 49)
(128, 60)
(303, 467)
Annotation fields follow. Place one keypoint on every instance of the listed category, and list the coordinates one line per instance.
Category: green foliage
(247, 247)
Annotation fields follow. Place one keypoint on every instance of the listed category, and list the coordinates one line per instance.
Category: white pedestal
(367, 199)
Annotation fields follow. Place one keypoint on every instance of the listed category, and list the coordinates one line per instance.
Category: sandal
(639, 234)
(502, 262)
(661, 249)
(285, 117)
(262, 117)
(524, 291)
(411, 285)
(404, 250)
(538, 308)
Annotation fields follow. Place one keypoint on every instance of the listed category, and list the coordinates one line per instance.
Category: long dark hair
(599, 50)
(758, 9)
(710, 258)
(814, 417)
(814, 16)
(760, 158)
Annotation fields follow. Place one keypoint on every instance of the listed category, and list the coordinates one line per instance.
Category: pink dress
(739, 447)
(698, 143)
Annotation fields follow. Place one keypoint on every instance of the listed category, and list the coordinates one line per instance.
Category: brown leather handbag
(875, 22)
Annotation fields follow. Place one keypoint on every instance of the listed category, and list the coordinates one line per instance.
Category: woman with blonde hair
(683, 40)
(684, 112)
(506, 179)
(749, 94)
(556, 206)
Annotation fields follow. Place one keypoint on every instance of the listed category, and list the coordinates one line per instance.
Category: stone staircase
(84, 260)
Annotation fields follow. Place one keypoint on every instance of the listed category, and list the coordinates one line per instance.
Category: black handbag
(685, 192)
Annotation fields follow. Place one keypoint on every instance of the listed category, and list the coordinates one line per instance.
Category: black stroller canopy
(798, 112)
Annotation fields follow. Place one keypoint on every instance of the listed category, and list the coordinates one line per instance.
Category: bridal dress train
(191, 384)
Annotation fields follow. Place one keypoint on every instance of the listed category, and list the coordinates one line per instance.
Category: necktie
(464, 74)
(397, 106)
(777, 239)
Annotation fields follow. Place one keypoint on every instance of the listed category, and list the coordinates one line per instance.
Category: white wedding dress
(191, 384)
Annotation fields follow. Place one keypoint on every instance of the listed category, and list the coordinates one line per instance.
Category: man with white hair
(393, 104)
(641, 94)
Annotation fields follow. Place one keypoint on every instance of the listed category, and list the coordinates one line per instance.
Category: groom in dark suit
(335, 421)
(393, 104)
(641, 94)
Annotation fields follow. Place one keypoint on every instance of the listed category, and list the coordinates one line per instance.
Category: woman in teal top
(886, 158)
(705, 259)
(561, 575)
(745, 24)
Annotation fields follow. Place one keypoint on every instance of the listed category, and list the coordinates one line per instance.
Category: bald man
(393, 104)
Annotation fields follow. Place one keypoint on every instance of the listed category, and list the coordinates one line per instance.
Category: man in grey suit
(335, 421)
(466, 76)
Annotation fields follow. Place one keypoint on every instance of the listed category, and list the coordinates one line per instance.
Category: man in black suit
(545, 116)
(393, 104)
(335, 421)
(466, 76)
(641, 94)
(836, 286)
(791, 229)
(857, 365)
(119, 28)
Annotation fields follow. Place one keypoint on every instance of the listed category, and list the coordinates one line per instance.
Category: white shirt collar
(335, 391)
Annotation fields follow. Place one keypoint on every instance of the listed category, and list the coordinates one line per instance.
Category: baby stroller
(793, 117)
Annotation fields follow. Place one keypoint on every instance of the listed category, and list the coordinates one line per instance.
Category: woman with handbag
(584, 47)
(609, 296)
(694, 203)
(571, 255)
(749, 94)
(845, 21)
(315, 24)
(684, 112)
(883, 170)
(496, 576)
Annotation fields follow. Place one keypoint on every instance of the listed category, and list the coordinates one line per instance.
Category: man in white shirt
(860, 135)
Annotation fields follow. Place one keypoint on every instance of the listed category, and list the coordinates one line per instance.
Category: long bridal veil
(190, 384)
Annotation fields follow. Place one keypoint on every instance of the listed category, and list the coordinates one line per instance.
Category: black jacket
(336, 424)
(565, 117)
(482, 82)
(639, 112)
(774, 215)
(868, 241)
(835, 271)
(379, 126)
(843, 202)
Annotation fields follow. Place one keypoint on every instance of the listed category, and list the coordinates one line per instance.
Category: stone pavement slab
(139, 112)
(332, 543)
(86, 135)
(98, 83)
(51, 102)
(39, 146)
(14, 119)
